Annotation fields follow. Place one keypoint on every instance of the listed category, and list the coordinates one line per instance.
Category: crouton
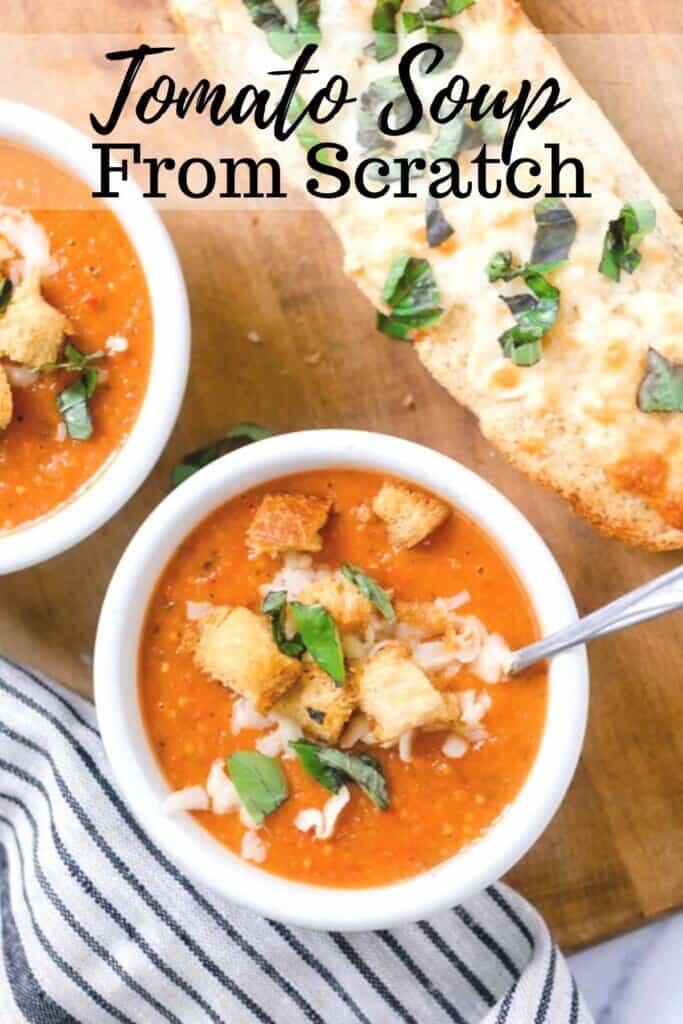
(350, 609)
(31, 330)
(396, 694)
(321, 708)
(288, 522)
(410, 515)
(236, 646)
(6, 403)
(428, 617)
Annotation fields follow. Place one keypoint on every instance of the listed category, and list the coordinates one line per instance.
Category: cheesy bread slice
(572, 419)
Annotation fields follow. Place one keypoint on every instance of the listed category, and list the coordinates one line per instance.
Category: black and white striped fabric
(97, 925)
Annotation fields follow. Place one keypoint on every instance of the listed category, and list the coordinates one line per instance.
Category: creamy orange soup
(97, 282)
(438, 803)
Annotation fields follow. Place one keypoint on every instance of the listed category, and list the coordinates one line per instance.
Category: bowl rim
(135, 768)
(125, 470)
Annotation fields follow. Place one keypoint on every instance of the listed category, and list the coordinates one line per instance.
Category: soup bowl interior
(126, 469)
(131, 755)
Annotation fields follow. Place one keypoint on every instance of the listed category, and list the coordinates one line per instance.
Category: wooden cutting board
(613, 856)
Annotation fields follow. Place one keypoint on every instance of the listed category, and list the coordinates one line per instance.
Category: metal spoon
(660, 596)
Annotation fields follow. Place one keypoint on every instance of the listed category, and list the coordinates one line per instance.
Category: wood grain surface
(613, 856)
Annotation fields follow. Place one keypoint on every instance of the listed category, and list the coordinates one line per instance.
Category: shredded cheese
(323, 821)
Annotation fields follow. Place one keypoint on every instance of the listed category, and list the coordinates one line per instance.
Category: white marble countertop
(636, 978)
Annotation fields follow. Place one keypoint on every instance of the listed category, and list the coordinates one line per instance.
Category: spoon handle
(658, 597)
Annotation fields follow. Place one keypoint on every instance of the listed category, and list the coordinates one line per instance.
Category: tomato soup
(445, 783)
(94, 280)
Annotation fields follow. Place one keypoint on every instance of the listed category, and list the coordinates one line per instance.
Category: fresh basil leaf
(458, 135)
(411, 292)
(305, 132)
(450, 43)
(379, 93)
(501, 267)
(236, 437)
(384, 19)
(6, 291)
(661, 389)
(555, 234)
(412, 21)
(307, 28)
(320, 636)
(437, 9)
(371, 589)
(72, 403)
(437, 227)
(624, 235)
(259, 781)
(74, 360)
(361, 768)
(267, 16)
(535, 315)
(275, 606)
(308, 753)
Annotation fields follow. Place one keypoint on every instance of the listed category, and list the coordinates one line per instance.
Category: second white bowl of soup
(305, 700)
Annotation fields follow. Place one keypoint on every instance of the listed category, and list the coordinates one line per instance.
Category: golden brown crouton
(31, 330)
(288, 522)
(350, 609)
(395, 693)
(410, 515)
(320, 708)
(236, 646)
(429, 617)
(6, 404)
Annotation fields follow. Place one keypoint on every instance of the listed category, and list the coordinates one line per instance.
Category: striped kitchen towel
(97, 925)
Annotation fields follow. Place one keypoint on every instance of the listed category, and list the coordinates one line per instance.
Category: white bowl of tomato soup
(94, 339)
(350, 755)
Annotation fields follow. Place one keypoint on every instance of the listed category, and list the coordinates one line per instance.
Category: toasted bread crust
(565, 463)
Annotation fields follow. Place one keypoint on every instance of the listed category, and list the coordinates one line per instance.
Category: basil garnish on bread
(536, 311)
(259, 781)
(624, 235)
(282, 38)
(437, 228)
(384, 19)
(411, 293)
(661, 389)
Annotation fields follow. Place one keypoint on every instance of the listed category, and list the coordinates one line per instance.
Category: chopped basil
(411, 292)
(437, 227)
(259, 781)
(555, 234)
(320, 636)
(73, 360)
(661, 389)
(371, 589)
(623, 237)
(267, 16)
(501, 267)
(275, 606)
(6, 290)
(450, 43)
(236, 437)
(307, 29)
(361, 768)
(378, 94)
(435, 10)
(308, 753)
(535, 315)
(459, 134)
(384, 18)
(72, 403)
